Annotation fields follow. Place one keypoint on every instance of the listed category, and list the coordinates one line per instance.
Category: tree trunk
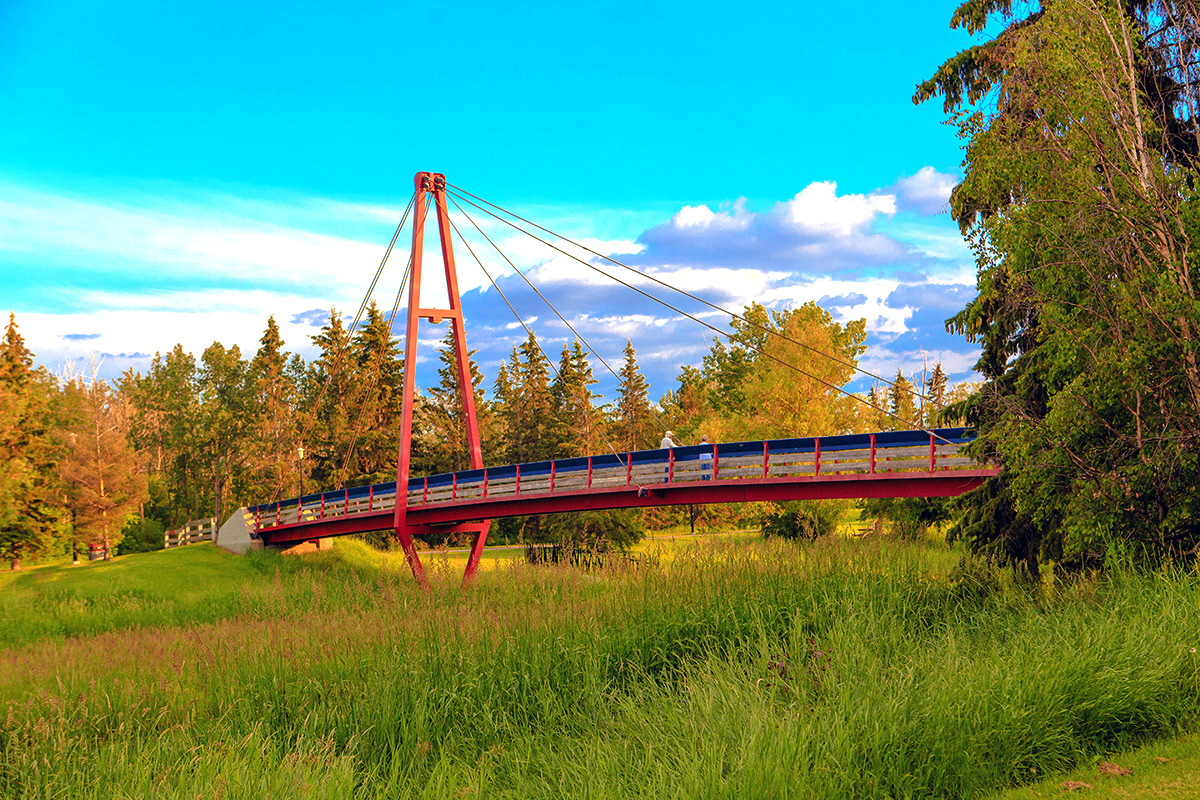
(15, 564)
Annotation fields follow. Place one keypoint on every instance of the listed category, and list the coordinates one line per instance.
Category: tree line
(89, 462)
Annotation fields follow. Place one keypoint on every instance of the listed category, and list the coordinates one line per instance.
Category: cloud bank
(125, 273)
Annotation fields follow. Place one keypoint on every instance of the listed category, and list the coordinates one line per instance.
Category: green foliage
(1078, 199)
(801, 519)
(30, 507)
(593, 531)
(141, 535)
(910, 517)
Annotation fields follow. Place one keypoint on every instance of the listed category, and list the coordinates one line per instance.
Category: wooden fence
(198, 530)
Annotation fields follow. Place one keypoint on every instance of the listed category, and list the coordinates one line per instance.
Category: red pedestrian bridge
(912, 463)
(887, 464)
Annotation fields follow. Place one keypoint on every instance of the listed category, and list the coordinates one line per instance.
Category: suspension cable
(684, 292)
(532, 338)
(578, 336)
(711, 327)
(375, 370)
(336, 364)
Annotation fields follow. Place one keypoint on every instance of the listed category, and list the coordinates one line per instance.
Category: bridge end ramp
(234, 535)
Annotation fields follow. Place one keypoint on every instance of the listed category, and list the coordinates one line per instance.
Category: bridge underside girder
(463, 516)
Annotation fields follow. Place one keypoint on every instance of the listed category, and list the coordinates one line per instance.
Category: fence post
(371, 498)
(816, 457)
(716, 461)
(628, 468)
(766, 459)
(670, 465)
(872, 454)
(932, 453)
(589, 485)
(552, 464)
(485, 481)
(517, 482)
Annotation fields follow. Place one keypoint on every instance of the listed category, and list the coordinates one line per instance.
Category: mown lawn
(843, 669)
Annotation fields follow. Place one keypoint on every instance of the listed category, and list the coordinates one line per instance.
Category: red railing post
(932, 453)
(517, 485)
(766, 460)
(299, 507)
(816, 457)
(671, 465)
(277, 514)
(716, 462)
(552, 463)
(371, 498)
(424, 492)
(589, 472)
(321, 515)
(628, 468)
(872, 454)
(485, 481)
(453, 487)
(346, 505)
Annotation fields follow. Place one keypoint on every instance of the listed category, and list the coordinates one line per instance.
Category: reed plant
(838, 669)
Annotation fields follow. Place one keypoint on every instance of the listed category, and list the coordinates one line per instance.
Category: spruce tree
(447, 413)
(635, 417)
(577, 421)
(378, 405)
(28, 511)
(902, 402)
(275, 419)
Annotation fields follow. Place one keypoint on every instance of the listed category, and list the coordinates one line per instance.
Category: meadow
(734, 668)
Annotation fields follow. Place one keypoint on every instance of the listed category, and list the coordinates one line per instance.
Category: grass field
(732, 669)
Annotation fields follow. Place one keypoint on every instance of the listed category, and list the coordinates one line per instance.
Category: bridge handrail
(904, 450)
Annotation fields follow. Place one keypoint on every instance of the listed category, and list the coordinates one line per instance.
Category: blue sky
(178, 171)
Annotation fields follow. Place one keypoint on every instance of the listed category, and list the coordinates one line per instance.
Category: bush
(141, 535)
(801, 519)
(594, 531)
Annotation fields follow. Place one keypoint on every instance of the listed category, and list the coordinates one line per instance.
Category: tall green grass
(839, 670)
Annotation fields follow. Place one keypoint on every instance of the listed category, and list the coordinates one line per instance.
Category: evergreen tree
(578, 425)
(377, 412)
(902, 403)
(935, 391)
(635, 418)
(275, 417)
(28, 511)
(330, 381)
(446, 418)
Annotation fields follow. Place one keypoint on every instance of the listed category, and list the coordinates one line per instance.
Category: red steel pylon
(432, 183)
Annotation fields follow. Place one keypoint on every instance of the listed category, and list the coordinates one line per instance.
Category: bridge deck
(888, 464)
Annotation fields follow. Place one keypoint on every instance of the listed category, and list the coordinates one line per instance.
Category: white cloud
(818, 210)
(927, 192)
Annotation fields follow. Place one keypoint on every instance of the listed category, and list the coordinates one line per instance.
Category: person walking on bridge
(668, 442)
(705, 461)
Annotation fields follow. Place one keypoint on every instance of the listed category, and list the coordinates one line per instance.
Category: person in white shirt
(668, 442)
(705, 468)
